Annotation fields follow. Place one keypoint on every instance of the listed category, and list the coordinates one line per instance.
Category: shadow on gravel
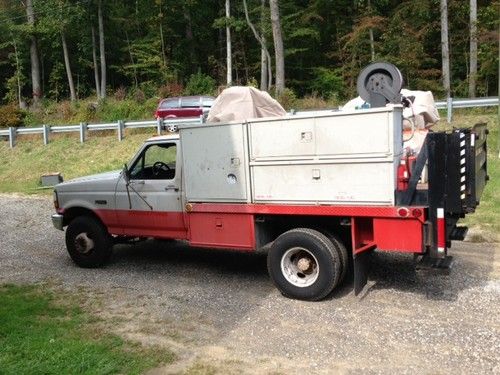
(173, 253)
(471, 269)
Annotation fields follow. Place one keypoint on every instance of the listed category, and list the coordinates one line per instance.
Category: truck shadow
(178, 256)
(472, 266)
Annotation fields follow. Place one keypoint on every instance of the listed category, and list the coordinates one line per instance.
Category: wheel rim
(300, 267)
(83, 243)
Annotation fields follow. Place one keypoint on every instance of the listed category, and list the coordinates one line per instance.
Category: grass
(39, 334)
(23, 165)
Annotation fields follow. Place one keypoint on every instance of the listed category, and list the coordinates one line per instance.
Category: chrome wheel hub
(300, 267)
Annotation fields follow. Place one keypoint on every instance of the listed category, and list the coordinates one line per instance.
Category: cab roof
(169, 137)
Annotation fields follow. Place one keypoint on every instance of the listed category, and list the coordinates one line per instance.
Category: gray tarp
(240, 103)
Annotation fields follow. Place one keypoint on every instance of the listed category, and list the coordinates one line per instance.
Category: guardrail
(84, 128)
(465, 103)
(120, 125)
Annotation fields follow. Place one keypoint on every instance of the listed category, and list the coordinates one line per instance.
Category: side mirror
(126, 174)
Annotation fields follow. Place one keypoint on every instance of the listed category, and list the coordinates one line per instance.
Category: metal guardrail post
(449, 109)
(120, 130)
(46, 130)
(12, 137)
(159, 123)
(83, 129)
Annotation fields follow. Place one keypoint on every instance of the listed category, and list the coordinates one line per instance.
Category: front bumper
(57, 221)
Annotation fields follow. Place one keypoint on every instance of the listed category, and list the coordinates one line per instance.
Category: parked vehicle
(318, 192)
(184, 106)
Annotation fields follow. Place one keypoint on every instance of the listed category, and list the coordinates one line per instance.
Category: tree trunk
(67, 65)
(445, 51)
(265, 56)
(162, 39)
(263, 51)
(473, 49)
(229, 67)
(370, 32)
(101, 50)
(35, 62)
(94, 61)
(136, 80)
(18, 71)
(189, 36)
(278, 46)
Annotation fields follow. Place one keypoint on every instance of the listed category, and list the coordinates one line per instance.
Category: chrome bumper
(57, 221)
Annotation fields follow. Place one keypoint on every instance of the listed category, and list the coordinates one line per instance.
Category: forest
(71, 50)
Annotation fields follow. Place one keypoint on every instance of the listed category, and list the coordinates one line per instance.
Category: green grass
(41, 335)
(22, 166)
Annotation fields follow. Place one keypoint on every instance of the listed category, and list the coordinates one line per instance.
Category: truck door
(152, 206)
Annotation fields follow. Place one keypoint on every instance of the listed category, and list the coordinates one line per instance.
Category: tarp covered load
(240, 103)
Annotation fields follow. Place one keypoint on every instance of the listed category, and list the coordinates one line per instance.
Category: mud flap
(361, 269)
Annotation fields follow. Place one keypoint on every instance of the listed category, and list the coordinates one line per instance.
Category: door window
(157, 162)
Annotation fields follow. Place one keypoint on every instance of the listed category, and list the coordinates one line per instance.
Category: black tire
(88, 242)
(290, 249)
(343, 256)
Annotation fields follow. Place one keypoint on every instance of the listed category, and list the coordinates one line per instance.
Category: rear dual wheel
(305, 264)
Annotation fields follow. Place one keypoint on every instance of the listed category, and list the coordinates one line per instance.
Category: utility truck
(318, 192)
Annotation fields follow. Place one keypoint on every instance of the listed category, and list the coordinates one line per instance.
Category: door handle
(137, 182)
(172, 187)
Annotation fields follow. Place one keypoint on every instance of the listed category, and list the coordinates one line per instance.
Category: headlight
(56, 200)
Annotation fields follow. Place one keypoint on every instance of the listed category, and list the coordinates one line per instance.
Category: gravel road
(220, 313)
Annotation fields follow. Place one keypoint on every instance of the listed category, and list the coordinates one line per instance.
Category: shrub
(328, 82)
(200, 84)
(171, 89)
(121, 93)
(288, 99)
(11, 116)
(139, 96)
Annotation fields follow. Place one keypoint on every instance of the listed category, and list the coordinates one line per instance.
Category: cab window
(157, 162)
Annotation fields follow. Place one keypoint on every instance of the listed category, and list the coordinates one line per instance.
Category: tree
(101, 49)
(445, 51)
(473, 49)
(278, 46)
(35, 62)
(266, 69)
(94, 64)
(229, 64)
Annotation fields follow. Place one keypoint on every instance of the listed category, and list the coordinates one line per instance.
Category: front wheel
(304, 264)
(88, 242)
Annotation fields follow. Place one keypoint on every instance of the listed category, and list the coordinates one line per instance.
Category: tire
(88, 242)
(343, 256)
(304, 264)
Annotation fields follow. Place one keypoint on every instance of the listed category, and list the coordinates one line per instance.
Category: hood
(96, 182)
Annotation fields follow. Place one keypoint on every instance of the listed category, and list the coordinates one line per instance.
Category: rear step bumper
(426, 263)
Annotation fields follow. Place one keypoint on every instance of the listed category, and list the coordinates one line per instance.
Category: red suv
(184, 106)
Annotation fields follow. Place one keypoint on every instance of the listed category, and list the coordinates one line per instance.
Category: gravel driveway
(219, 312)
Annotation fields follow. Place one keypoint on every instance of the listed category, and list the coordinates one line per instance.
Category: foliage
(11, 116)
(328, 82)
(39, 334)
(288, 99)
(199, 84)
(161, 47)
